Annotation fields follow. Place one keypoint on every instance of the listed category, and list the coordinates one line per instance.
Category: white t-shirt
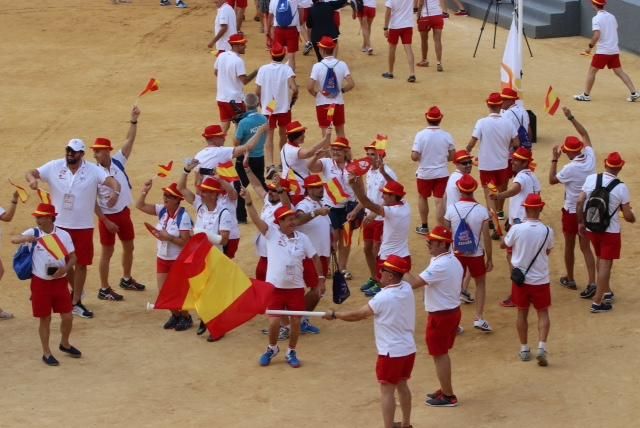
(476, 216)
(331, 170)
(517, 114)
(232, 205)
(168, 250)
(289, 159)
(526, 239)
(268, 209)
(216, 221)
(395, 234)
(573, 175)
(375, 183)
(305, 4)
(284, 269)
(319, 73)
(43, 258)
(369, 3)
(452, 192)
(618, 196)
(431, 8)
(273, 80)
(401, 13)
(273, 5)
(104, 192)
(444, 283)
(211, 156)
(230, 66)
(606, 23)
(494, 133)
(73, 195)
(529, 183)
(394, 320)
(434, 146)
(225, 15)
(319, 229)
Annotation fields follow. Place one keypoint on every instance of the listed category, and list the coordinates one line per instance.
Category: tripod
(496, 15)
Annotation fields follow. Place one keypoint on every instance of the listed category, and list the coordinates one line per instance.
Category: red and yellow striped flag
(44, 196)
(347, 233)
(22, 193)
(152, 86)
(294, 185)
(165, 170)
(54, 246)
(335, 192)
(227, 172)
(381, 142)
(330, 112)
(551, 102)
(204, 279)
(492, 187)
(272, 106)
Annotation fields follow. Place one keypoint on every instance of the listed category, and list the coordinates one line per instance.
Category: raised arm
(579, 128)
(251, 210)
(189, 196)
(10, 212)
(361, 195)
(307, 153)
(131, 135)
(141, 203)
(227, 187)
(255, 183)
(553, 171)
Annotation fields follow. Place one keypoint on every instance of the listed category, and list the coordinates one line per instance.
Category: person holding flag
(7, 216)
(330, 78)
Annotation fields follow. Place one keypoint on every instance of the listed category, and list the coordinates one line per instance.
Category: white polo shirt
(431, 8)
(395, 234)
(268, 209)
(273, 5)
(104, 192)
(444, 283)
(618, 196)
(475, 216)
(216, 221)
(211, 156)
(517, 114)
(225, 15)
(394, 320)
(375, 183)
(331, 170)
(526, 239)
(290, 160)
(452, 192)
(607, 24)
(273, 80)
(229, 66)
(73, 195)
(168, 250)
(319, 73)
(318, 229)
(529, 183)
(573, 176)
(370, 3)
(284, 269)
(494, 133)
(433, 144)
(42, 259)
(232, 205)
(401, 13)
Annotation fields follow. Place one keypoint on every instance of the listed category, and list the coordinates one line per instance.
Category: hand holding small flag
(164, 170)
(152, 86)
(20, 192)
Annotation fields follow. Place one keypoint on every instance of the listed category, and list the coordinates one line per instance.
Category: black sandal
(411, 79)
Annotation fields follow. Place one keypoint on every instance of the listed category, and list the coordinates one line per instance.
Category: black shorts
(338, 216)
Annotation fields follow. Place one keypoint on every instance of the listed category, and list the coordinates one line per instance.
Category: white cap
(76, 144)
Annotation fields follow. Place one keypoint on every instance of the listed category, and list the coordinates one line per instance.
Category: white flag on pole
(511, 68)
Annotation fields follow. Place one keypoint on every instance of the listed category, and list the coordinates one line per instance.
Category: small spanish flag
(496, 221)
(272, 106)
(381, 142)
(294, 185)
(44, 196)
(164, 170)
(330, 111)
(152, 86)
(492, 187)
(551, 102)
(347, 233)
(22, 193)
(227, 172)
(54, 246)
(335, 192)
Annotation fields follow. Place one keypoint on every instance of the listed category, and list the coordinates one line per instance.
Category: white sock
(524, 348)
(126, 278)
(274, 348)
(542, 345)
(289, 350)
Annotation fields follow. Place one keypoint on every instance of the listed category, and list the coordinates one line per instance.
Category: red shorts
(611, 61)
(537, 295)
(394, 370)
(606, 245)
(427, 23)
(304, 15)
(310, 274)
(226, 111)
(474, 264)
(242, 4)
(231, 248)
(83, 243)
(373, 231)
(402, 34)
(50, 295)
(380, 261)
(432, 187)
(336, 18)
(499, 177)
(261, 269)
(291, 299)
(279, 119)
(367, 12)
(163, 266)
(287, 37)
(569, 223)
(125, 228)
(442, 328)
(338, 115)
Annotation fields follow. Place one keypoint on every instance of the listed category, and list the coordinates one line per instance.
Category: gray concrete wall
(627, 13)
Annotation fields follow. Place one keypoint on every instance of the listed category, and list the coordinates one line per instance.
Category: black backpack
(596, 212)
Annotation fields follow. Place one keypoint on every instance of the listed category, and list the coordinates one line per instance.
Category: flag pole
(520, 16)
(294, 313)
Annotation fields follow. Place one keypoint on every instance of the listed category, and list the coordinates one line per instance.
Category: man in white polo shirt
(284, 21)
(582, 163)
(394, 324)
(398, 26)
(433, 148)
(531, 243)
(224, 26)
(74, 184)
(442, 279)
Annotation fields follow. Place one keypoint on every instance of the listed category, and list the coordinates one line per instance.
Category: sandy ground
(73, 70)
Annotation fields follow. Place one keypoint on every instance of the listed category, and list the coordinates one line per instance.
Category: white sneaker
(634, 97)
(180, 4)
(483, 326)
(542, 358)
(582, 97)
(80, 310)
(525, 355)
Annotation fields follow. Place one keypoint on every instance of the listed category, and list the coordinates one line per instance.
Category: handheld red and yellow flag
(165, 170)
(347, 233)
(54, 246)
(381, 142)
(152, 86)
(44, 196)
(551, 102)
(227, 172)
(22, 193)
(330, 112)
(294, 185)
(335, 192)
(492, 187)
(204, 279)
(272, 106)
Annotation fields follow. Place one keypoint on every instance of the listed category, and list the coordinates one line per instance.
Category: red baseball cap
(523, 154)
(494, 99)
(281, 213)
(102, 143)
(508, 94)
(533, 200)
(313, 180)
(396, 264)
(172, 189)
(213, 131)
(327, 42)
(461, 155)
(210, 184)
(614, 160)
(394, 188)
(295, 126)
(440, 233)
(572, 144)
(44, 210)
(237, 39)
(467, 184)
(433, 114)
(341, 143)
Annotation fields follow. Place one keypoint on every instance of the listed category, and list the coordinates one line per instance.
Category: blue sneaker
(292, 359)
(372, 291)
(266, 358)
(306, 327)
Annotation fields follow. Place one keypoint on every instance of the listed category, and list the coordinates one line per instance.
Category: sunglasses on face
(71, 151)
(466, 163)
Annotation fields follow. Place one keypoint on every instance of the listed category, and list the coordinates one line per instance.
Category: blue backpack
(284, 16)
(330, 87)
(464, 242)
(523, 135)
(23, 259)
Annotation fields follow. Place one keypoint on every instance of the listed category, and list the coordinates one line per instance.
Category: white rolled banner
(150, 306)
(294, 313)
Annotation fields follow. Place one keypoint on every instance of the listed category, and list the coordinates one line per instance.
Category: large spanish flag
(206, 280)
(227, 171)
(335, 192)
